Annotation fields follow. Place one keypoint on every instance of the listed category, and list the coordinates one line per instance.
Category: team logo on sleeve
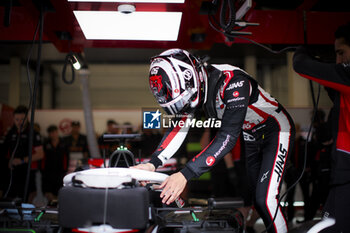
(210, 161)
(151, 119)
(235, 85)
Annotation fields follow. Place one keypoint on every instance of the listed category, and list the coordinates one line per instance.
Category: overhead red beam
(287, 27)
(322, 25)
(275, 27)
(22, 25)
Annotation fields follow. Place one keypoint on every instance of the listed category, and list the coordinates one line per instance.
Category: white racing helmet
(178, 81)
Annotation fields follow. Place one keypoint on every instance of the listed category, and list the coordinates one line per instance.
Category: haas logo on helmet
(154, 70)
(156, 82)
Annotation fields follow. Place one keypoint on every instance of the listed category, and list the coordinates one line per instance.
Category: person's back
(337, 78)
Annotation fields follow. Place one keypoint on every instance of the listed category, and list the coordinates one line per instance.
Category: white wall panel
(124, 86)
(111, 86)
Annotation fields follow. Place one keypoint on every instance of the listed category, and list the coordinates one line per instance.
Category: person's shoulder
(226, 67)
(230, 71)
(238, 78)
(223, 67)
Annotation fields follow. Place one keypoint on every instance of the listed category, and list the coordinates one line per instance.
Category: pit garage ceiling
(287, 22)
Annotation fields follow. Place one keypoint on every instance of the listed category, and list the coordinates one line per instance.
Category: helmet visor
(177, 105)
(161, 86)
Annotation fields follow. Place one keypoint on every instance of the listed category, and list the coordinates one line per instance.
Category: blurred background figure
(127, 128)
(77, 146)
(55, 164)
(106, 148)
(17, 156)
(37, 128)
(112, 127)
(132, 144)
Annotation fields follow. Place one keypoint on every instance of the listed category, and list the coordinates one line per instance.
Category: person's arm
(170, 143)
(236, 100)
(335, 76)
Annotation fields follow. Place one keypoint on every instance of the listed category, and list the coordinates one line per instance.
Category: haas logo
(235, 94)
(235, 85)
(210, 161)
(154, 70)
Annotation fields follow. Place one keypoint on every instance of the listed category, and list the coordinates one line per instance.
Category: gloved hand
(145, 166)
(232, 176)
